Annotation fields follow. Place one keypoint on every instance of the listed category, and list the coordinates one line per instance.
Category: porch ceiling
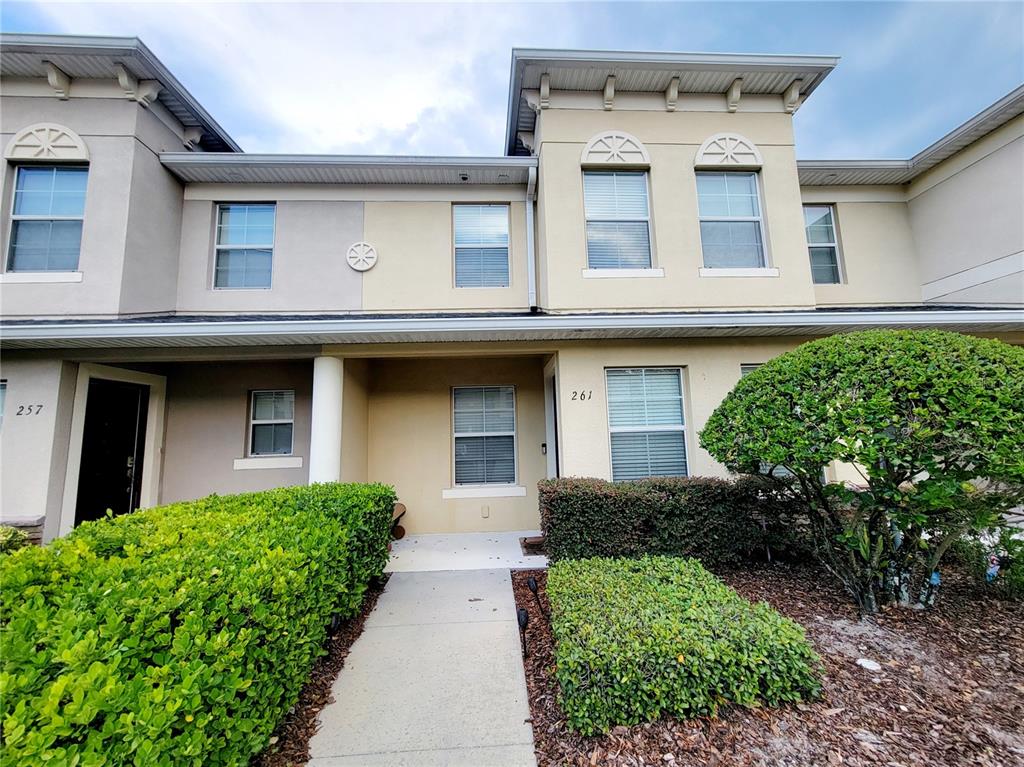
(183, 332)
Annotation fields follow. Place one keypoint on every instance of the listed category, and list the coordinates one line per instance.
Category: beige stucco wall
(710, 369)
(309, 269)
(672, 139)
(411, 442)
(355, 420)
(967, 216)
(416, 266)
(207, 426)
(34, 444)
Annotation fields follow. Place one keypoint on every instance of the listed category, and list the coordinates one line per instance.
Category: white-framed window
(484, 425)
(244, 245)
(481, 246)
(272, 422)
(646, 422)
(618, 219)
(822, 244)
(46, 218)
(731, 229)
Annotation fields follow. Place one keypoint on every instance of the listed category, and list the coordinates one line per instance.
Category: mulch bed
(950, 692)
(290, 743)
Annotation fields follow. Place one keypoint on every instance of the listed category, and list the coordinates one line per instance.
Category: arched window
(728, 150)
(46, 142)
(615, 148)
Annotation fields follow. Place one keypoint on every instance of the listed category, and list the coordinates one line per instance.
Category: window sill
(484, 491)
(40, 277)
(621, 274)
(764, 271)
(269, 462)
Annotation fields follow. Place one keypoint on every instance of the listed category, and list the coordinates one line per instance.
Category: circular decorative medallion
(361, 256)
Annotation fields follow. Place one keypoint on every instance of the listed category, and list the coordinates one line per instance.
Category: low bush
(715, 520)
(180, 635)
(636, 639)
(12, 539)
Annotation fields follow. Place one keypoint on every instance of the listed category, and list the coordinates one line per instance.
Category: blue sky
(432, 78)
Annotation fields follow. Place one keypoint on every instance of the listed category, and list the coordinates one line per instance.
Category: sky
(432, 79)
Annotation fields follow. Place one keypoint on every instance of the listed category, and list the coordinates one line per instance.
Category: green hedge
(636, 639)
(718, 521)
(180, 635)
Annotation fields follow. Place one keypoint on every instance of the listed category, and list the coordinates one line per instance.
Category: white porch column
(325, 432)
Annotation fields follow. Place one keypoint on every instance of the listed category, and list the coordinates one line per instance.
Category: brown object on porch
(532, 545)
(397, 531)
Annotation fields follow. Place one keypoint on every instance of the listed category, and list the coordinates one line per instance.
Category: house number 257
(582, 395)
(28, 410)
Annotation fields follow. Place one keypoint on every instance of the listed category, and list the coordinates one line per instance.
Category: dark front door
(112, 445)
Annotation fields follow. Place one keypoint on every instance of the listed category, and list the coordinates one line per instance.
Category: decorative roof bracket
(545, 90)
(791, 98)
(609, 93)
(732, 96)
(58, 80)
(142, 91)
(528, 139)
(192, 137)
(672, 95)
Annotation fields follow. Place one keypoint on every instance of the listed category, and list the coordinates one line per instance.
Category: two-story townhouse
(180, 317)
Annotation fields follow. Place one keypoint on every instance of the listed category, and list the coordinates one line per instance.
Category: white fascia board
(427, 326)
(227, 158)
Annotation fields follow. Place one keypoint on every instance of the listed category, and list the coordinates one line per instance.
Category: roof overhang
(194, 167)
(838, 172)
(270, 331)
(88, 57)
(652, 72)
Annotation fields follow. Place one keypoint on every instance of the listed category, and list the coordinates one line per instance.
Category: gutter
(531, 266)
(535, 325)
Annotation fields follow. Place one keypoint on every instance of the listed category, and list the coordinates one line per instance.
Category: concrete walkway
(463, 551)
(436, 678)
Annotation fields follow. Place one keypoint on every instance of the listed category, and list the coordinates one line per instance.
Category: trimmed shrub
(12, 539)
(715, 520)
(180, 635)
(636, 639)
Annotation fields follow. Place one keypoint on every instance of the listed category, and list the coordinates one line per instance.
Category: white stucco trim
(152, 461)
(621, 274)
(484, 491)
(268, 462)
(40, 277)
(764, 271)
(976, 275)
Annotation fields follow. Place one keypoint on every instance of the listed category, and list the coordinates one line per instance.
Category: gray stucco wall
(309, 269)
(207, 426)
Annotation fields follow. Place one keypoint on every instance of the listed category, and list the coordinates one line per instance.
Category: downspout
(531, 266)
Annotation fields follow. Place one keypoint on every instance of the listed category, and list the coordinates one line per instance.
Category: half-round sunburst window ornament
(361, 256)
(615, 148)
(730, 150)
(47, 141)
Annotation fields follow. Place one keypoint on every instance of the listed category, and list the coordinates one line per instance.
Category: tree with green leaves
(932, 421)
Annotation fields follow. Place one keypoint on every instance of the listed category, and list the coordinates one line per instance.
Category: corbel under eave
(191, 137)
(672, 95)
(58, 80)
(545, 91)
(732, 96)
(609, 93)
(791, 98)
(142, 91)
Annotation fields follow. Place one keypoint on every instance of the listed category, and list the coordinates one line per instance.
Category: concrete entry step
(435, 679)
(463, 551)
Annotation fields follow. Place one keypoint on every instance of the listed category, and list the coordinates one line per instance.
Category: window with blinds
(822, 244)
(618, 219)
(645, 417)
(46, 218)
(481, 246)
(484, 419)
(730, 220)
(245, 245)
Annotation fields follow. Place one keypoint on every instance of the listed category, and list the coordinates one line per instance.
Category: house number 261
(582, 395)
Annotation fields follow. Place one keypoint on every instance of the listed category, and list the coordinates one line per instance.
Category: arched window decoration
(615, 148)
(729, 150)
(46, 142)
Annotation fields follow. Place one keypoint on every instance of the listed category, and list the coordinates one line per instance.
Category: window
(245, 246)
(272, 422)
(46, 219)
(819, 222)
(481, 246)
(618, 220)
(485, 435)
(730, 220)
(645, 416)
